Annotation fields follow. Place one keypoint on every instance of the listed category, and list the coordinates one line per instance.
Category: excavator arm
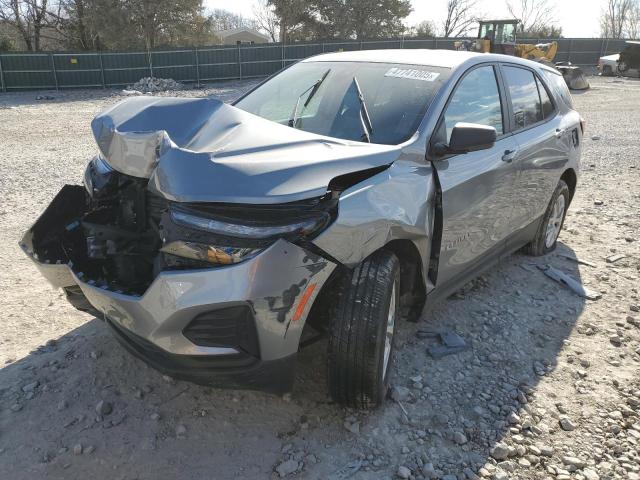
(541, 51)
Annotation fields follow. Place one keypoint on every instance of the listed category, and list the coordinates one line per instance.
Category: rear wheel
(607, 71)
(547, 235)
(361, 340)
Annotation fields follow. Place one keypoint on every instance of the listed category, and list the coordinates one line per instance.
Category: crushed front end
(210, 292)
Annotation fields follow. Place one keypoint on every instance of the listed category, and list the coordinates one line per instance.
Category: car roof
(432, 58)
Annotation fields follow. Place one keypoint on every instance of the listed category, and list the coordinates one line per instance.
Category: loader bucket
(574, 77)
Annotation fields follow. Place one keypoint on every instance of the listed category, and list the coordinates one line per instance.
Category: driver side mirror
(467, 137)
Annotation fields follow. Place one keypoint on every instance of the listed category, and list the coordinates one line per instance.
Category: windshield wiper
(365, 119)
(314, 89)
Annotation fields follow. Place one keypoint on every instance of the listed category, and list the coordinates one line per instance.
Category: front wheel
(361, 340)
(547, 235)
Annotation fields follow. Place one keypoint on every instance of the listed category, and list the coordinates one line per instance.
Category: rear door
(477, 187)
(543, 143)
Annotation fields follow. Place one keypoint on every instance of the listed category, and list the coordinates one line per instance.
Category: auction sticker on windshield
(412, 74)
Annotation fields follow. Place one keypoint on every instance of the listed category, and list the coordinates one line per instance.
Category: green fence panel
(35, 80)
(30, 61)
(261, 69)
(298, 52)
(71, 62)
(19, 71)
(211, 56)
(219, 72)
(341, 46)
(419, 43)
(69, 78)
(381, 44)
(125, 60)
(261, 54)
(123, 77)
(182, 73)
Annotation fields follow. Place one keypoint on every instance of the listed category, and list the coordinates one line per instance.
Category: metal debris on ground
(570, 282)
(529, 267)
(578, 260)
(615, 258)
(349, 470)
(450, 341)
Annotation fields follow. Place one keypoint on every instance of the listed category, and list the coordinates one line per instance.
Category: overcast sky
(578, 18)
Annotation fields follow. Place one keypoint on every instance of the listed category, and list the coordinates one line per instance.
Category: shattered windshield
(396, 97)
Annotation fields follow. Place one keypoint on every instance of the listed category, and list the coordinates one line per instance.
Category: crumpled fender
(397, 203)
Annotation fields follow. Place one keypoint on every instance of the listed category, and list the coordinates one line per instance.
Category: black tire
(607, 71)
(538, 246)
(356, 376)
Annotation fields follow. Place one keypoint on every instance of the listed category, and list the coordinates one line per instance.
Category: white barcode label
(412, 74)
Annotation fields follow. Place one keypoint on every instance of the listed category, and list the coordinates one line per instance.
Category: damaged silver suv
(343, 193)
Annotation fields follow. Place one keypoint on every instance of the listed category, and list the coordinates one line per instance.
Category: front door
(477, 187)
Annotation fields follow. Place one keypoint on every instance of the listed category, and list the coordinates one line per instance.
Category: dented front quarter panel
(395, 204)
(272, 283)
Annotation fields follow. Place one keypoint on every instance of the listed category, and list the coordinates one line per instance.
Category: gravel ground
(549, 389)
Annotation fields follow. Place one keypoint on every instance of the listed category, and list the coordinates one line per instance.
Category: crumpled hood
(203, 150)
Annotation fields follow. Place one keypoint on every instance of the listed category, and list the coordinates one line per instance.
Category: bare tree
(28, 18)
(460, 17)
(632, 29)
(266, 19)
(424, 29)
(533, 14)
(226, 20)
(615, 18)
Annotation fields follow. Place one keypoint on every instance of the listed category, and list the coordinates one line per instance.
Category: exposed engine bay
(116, 234)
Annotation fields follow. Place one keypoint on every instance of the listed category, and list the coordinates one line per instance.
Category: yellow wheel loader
(499, 36)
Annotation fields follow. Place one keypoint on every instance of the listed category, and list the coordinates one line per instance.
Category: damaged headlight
(229, 234)
(304, 227)
(209, 253)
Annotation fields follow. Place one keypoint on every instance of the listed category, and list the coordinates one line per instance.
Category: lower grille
(232, 327)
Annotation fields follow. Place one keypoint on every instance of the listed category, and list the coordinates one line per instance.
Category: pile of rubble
(154, 84)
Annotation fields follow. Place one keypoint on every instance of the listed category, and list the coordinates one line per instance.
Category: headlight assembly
(229, 234)
(303, 227)
(209, 253)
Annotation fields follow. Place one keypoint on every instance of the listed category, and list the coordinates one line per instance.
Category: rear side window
(527, 109)
(475, 100)
(547, 105)
(557, 83)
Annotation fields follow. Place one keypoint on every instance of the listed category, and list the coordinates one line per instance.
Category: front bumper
(278, 288)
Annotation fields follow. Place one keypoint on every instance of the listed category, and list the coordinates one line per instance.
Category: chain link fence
(56, 70)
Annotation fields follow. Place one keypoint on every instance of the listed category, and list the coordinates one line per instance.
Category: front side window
(323, 98)
(476, 99)
(527, 109)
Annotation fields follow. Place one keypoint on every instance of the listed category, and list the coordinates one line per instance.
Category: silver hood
(203, 150)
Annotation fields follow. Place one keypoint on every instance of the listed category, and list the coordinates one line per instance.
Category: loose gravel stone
(103, 408)
(287, 468)
(30, 387)
(403, 472)
(567, 424)
(500, 451)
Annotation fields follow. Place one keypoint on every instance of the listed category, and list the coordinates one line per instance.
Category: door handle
(560, 132)
(509, 155)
